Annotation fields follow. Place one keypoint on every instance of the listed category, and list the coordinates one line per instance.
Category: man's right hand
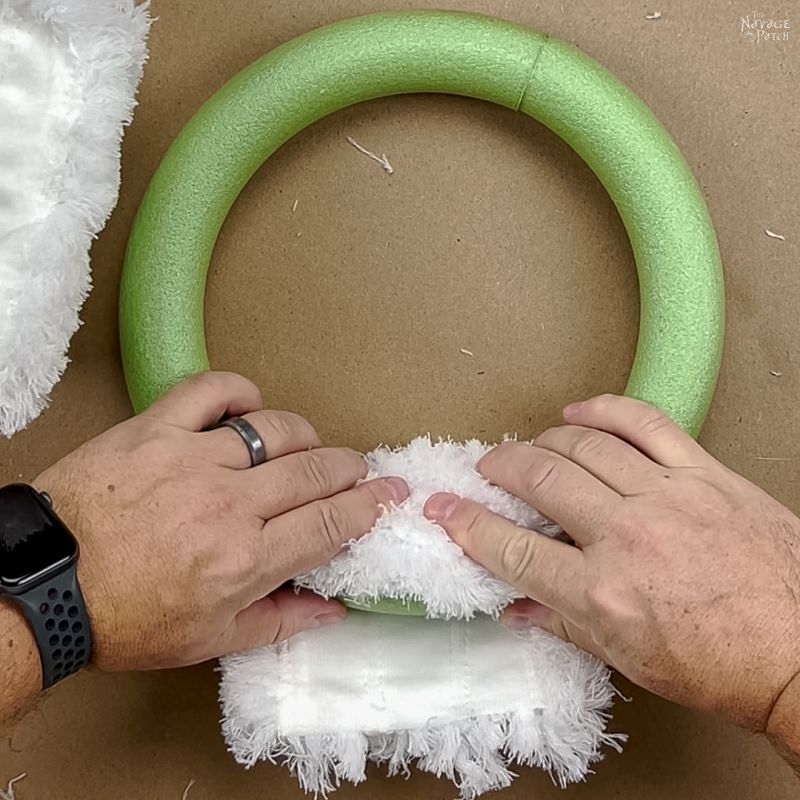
(686, 576)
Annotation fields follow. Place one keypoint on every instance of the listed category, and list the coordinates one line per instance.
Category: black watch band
(57, 616)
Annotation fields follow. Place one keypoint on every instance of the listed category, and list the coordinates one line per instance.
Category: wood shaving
(653, 15)
(772, 235)
(381, 159)
(8, 792)
(467, 352)
(186, 790)
(772, 458)
(294, 206)
(775, 373)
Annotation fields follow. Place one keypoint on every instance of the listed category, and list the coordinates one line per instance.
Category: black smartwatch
(38, 558)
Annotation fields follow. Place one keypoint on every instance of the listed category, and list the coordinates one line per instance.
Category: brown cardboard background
(491, 236)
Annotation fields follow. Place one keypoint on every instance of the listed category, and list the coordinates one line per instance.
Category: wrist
(39, 580)
(783, 725)
(20, 667)
(76, 513)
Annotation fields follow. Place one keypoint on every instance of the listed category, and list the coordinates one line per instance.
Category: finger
(611, 460)
(526, 613)
(644, 426)
(203, 399)
(299, 478)
(280, 615)
(281, 431)
(545, 570)
(522, 615)
(312, 535)
(557, 487)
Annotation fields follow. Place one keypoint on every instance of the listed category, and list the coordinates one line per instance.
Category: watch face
(33, 541)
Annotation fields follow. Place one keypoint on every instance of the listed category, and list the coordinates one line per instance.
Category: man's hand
(686, 577)
(184, 548)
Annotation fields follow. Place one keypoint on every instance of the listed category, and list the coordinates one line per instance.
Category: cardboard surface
(490, 236)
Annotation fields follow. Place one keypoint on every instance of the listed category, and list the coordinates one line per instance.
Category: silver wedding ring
(253, 442)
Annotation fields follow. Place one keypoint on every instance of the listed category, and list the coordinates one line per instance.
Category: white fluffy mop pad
(406, 556)
(68, 74)
(463, 699)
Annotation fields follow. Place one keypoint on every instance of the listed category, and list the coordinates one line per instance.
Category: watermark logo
(757, 28)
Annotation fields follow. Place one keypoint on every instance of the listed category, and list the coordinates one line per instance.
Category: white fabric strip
(379, 654)
(462, 699)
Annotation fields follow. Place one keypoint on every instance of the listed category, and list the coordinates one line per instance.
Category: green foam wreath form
(235, 131)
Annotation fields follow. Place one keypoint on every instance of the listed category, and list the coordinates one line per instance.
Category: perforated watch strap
(57, 615)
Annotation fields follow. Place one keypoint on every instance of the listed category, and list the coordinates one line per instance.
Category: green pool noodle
(674, 246)
(387, 605)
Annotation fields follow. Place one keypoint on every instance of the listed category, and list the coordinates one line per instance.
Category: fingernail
(327, 617)
(525, 614)
(398, 488)
(517, 622)
(440, 506)
(572, 409)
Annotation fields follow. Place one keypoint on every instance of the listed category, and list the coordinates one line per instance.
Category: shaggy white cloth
(406, 556)
(68, 74)
(463, 699)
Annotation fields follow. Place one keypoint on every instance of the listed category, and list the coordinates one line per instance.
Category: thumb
(280, 615)
(544, 569)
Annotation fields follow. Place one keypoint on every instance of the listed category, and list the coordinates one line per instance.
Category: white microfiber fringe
(476, 753)
(405, 555)
(87, 56)
(564, 736)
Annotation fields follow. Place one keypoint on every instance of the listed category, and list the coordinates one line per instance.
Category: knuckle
(518, 556)
(301, 425)
(539, 477)
(152, 449)
(205, 381)
(332, 524)
(585, 443)
(601, 403)
(706, 492)
(476, 524)
(654, 421)
(548, 435)
(278, 423)
(317, 472)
